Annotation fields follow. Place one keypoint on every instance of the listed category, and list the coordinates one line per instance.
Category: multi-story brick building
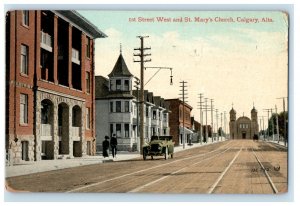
(49, 85)
(117, 109)
(177, 129)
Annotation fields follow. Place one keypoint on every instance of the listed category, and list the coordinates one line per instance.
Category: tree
(272, 123)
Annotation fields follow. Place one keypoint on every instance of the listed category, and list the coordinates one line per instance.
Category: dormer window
(126, 85)
(118, 84)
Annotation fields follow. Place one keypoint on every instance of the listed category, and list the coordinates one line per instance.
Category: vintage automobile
(159, 146)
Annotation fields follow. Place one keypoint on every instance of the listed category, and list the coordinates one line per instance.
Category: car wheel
(166, 153)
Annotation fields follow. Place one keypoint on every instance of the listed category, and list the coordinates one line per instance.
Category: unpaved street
(240, 166)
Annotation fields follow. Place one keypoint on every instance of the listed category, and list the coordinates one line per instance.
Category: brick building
(49, 85)
(178, 111)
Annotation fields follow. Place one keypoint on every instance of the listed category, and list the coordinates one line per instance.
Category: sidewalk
(281, 143)
(50, 165)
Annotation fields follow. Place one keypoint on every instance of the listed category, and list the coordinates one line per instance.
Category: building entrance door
(244, 135)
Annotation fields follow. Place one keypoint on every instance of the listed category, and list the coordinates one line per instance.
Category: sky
(233, 57)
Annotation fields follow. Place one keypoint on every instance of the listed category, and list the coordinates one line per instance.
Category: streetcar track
(143, 170)
(213, 187)
(275, 190)
(175, 172)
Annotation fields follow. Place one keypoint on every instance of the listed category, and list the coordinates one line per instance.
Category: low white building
(117, 110)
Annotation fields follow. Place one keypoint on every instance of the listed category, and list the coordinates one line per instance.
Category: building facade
(178, 130)
(49, 85)
(117, 110)
(243, 127)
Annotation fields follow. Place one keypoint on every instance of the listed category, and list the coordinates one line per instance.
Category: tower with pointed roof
(117, 109)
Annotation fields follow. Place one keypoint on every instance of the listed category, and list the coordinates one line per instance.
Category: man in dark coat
(105, 147)
(113, 145)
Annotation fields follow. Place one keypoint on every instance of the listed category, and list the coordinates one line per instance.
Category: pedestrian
(105, 147)
(113, 145)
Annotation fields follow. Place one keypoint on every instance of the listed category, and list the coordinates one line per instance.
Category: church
(243, 127)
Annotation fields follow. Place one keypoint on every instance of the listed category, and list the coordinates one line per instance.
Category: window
(126, 106)
(87, 82)
(25, 19)
(126, 85)
(147, 112)
(159, 115)
(126, 130)
(165, 131)
(165, 117)
(23, 108)
(118, 106)
(111, 106)
(88, 118)
(154, 114)
(118, 84)
(118, 130)
(24, 59)
(88, 47)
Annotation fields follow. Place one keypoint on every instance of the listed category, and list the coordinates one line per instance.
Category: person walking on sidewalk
(105, 147)
(113, 145)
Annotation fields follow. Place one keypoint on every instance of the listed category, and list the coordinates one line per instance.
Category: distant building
(178, 111)
(49, 85)
(196, 129)
(243, 127)
(117, 110)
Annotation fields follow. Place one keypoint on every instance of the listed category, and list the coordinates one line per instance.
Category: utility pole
(272, 124)
(212, 119)
(263, 128)
(221, 125)
(201, 116)
(225, 124)
(206, 128)
(183, 90)
(268, 110)
(217, 118)
(141, 101)
(284, 121)
(137, 82)
(277, 126)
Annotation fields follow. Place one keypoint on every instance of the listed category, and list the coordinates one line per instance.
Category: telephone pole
(206, 128)
(277, 126)
(217, 118)
(268, 110)
(225, 124)
(284, 120)
(183, 90)
(201, 115)
(141, 100)
(212, 119)
(221, 125)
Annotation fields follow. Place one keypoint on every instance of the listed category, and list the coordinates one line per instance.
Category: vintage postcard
(168, 102)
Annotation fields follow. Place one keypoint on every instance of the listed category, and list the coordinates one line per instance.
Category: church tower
(232, 123)
(254, 122)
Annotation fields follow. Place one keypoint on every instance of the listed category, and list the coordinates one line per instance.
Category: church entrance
(244, 135)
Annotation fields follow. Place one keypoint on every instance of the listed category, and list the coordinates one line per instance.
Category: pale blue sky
(235, 62)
